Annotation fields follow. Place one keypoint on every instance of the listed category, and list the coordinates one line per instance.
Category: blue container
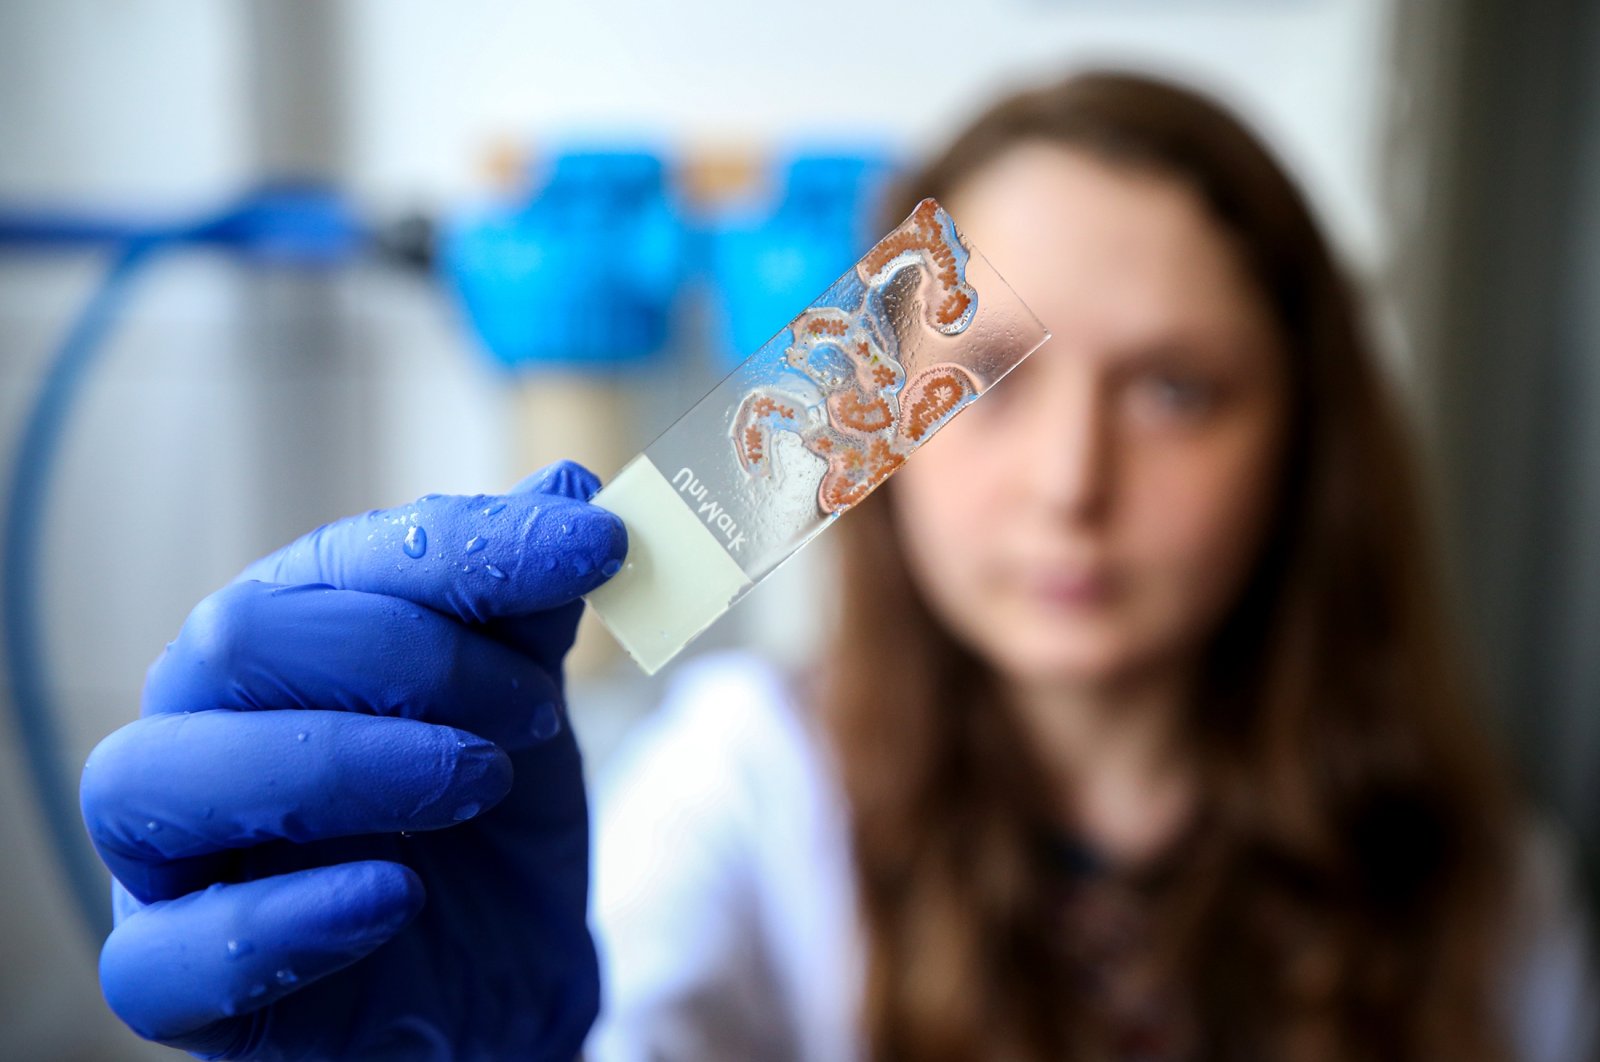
(583, 275)
(767, 261)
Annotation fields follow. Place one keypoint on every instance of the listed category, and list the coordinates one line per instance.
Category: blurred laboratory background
(263, 264)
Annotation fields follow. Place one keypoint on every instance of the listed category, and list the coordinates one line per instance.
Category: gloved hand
(350, 821)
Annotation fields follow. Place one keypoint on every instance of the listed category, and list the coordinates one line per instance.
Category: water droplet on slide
(495, 509)
(286, 977)
(300, 736)
(475, 543)
(466, 811)
(494, 572)
(239, 948)
(416, 543)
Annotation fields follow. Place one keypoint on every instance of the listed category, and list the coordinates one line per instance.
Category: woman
(1140, 735)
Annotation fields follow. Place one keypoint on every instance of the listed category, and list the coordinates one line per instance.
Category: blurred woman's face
(1094, 515)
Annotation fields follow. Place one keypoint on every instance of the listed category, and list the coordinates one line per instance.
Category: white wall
(433, 84)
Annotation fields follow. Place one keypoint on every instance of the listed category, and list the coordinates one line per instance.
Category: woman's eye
(1176, 393)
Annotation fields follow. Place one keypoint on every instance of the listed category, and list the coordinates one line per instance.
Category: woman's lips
(1060, 589)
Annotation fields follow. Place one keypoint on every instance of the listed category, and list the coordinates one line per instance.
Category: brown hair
(1337, 896)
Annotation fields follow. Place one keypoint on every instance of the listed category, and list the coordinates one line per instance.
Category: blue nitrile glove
(399, 671)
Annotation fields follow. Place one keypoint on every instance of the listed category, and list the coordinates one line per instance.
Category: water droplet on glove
(546, 721)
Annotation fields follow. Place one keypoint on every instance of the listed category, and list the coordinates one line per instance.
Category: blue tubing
(27, 498)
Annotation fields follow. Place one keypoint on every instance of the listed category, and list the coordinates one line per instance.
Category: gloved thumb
(477, 558)
(547, 638)
(565, 478)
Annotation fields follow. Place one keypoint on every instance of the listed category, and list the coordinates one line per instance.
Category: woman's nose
(1068, 457)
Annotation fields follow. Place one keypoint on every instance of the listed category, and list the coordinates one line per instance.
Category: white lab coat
(723, 899)
(724, 904)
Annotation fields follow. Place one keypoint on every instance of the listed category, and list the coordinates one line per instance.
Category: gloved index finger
(477, 558)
